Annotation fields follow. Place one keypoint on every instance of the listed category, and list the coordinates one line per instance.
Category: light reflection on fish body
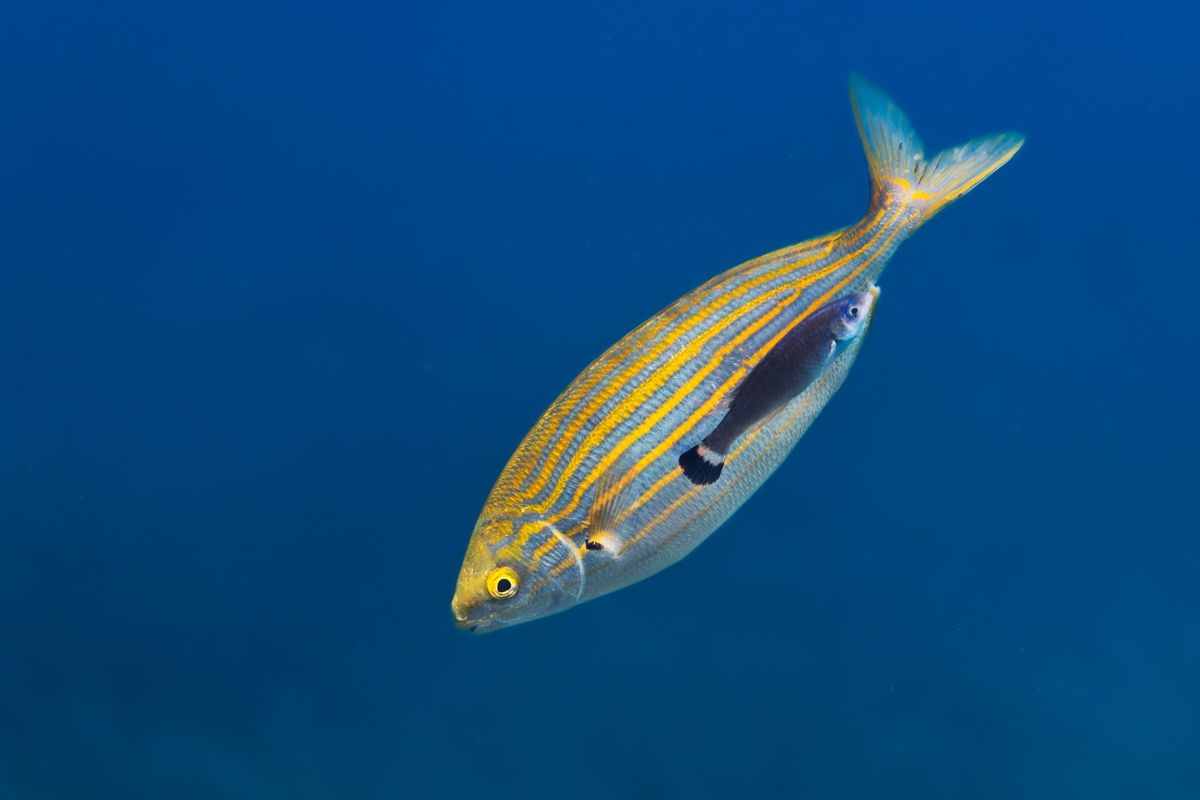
(594, 498)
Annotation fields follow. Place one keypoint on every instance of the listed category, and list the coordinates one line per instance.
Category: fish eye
(502, 583)
(852, 312)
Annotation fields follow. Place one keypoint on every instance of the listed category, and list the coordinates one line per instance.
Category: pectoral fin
(610, 502)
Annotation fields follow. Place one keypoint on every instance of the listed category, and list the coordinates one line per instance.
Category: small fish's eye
(852, 312)
(502, 583)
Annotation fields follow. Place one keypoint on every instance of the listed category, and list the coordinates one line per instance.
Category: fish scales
(614, 376)
(594, 498)
(665, 391)
(658, 381)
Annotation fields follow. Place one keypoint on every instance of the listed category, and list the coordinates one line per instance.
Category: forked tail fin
(900, 172)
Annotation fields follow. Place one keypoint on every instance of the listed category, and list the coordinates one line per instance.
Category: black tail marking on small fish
(783, 374)
(698, 469)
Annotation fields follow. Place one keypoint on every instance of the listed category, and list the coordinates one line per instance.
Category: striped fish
(784, 373)
(594, 498)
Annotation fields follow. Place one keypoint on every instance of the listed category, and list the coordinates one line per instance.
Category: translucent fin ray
(899, 168)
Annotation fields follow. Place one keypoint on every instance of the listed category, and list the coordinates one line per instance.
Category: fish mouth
(475, 626)
(465, 622)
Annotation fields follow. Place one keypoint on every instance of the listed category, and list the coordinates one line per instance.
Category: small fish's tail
(900, 172)
(701, 465)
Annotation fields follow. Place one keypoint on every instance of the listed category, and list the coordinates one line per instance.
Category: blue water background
(283, 285)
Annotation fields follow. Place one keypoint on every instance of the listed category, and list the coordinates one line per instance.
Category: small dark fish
(784, 373)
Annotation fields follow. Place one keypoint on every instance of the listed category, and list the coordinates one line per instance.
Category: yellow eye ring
(502, 583)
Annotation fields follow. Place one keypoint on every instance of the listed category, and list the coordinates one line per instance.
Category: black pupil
(853, 311)
(503, 585)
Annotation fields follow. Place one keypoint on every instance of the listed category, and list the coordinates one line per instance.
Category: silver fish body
(594, 498)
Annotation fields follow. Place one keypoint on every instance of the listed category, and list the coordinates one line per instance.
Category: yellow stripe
(648, 494)
(677, 433)
(599, 374)
(692, 492)
(543, 550)
(581, 417)
(596, 372)
(700, 375)
(581, 549)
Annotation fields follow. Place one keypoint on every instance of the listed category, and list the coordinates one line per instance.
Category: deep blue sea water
(283, 285)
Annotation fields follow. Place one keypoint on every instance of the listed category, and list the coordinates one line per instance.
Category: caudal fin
(701, 465)
(900, 172)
